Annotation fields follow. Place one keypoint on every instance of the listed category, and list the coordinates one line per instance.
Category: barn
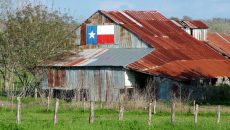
(122, 50)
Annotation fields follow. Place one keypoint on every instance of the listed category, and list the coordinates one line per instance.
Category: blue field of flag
(91, 34)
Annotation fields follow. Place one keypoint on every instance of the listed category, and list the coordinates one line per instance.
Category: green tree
(219, 25)
(33, 35)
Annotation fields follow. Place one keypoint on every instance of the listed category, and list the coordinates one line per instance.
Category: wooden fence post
(150, 114)
(196, 114)
(154, 106)
(121, 109)
(173, 112)
(48, 103)
(56, 111)
(35, 93)
(91, 114)
(218, 114)
(194, 107)
(19, 105)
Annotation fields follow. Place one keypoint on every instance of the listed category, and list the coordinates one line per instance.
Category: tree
(219, 25)
(34, 34)
(186, 18)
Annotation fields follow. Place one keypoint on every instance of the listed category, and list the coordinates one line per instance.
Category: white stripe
(135, 21)
(222, 37)
(105, 29)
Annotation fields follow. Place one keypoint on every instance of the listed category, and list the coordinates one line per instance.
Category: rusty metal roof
(102, 57)
(193, 24)
(220, 42)
(192, 69)
(170, 41)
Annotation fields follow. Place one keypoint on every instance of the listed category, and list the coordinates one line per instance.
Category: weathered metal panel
(44, 82)
(102, 82)
(78, 35)
(103, 57)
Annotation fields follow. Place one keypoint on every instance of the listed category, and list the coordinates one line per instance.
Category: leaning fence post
(150, 114)
(196, 114)
(173, 112)
(154, 106)
(18, 118)
(218, 114)
(56, 111)
(91, 114)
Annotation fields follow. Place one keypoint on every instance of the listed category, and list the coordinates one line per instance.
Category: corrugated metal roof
(192, 69)
(169, 40)
(194, 24)
(220, 42)
(103, 57)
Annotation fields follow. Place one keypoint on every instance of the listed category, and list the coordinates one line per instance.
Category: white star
(91, 34)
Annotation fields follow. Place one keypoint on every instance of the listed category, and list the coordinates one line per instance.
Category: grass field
(36, 117)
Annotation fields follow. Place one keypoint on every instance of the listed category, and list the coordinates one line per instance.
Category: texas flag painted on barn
(101, 34)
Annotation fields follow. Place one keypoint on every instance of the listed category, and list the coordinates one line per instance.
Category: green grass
(36, 117)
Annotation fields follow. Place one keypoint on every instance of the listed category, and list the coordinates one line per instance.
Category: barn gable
(122, 37)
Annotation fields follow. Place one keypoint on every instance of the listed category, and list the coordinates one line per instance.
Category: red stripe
(105, 39)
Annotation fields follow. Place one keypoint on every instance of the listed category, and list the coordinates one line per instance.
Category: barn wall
(103, 82)
(122, 37)
(200, 34)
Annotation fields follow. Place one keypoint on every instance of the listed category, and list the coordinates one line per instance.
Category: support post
(154, 106)
(48, 103)
(18, 118)
(218, 114)
(35, 93)
(121, 109)
(91, 114)
(173, 112)
(150, 114)
(194, 107)
(196, 114)
(56, 111)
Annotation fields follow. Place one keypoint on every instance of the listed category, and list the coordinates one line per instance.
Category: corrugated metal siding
(122, 37)
(103, 82)
(200, 34)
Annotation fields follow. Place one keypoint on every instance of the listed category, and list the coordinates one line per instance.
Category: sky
(196, 9)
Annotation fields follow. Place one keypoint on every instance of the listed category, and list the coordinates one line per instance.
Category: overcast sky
(196, 9)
